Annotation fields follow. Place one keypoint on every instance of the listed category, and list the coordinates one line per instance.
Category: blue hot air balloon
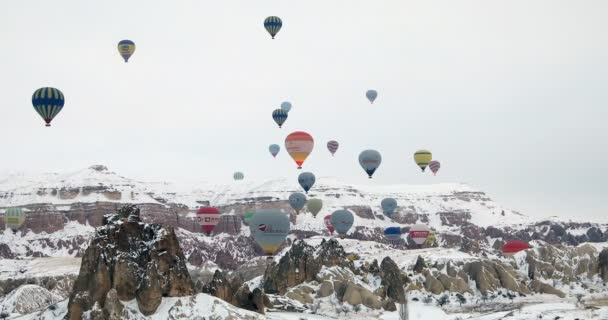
(297, 201)
(279, 116)
(274, 149)
(48, 102)
(342, 221)
(371, 95)
(273, 24)
(269, 228)
(286, 106)
(389, 205)
(370, 161)
(306, 180)
(393, 234)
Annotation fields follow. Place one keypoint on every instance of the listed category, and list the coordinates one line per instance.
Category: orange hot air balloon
(299, 145)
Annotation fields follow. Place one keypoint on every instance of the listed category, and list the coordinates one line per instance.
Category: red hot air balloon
(299, 145)
(419, 233)
(208, 217)
(512, 247)
(327, 220)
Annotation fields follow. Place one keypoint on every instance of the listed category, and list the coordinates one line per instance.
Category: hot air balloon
(422, 158)
(327, 221)
(299, 145)
(370, 161)
(14, 218)
(269, 228)
(512, 247)
(314, 206)
(48, 102)
(297, 201)
(306, 180)
(238, 176)
(274, 149)
(208, 217)
(126, 49)
(332, 146)
(279, 116)
(273, 25)
(247, 217)
(393, 234)
(419, 233)
(389, 205)
(342, 220)
(286, 106)
(371, 95)
(434, 166)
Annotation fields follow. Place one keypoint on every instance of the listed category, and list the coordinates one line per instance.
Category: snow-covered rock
(27, 299)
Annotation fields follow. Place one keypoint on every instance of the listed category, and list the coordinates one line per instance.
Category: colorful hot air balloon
(393, 234)
(371, 95)
(389, 205)
(434, 166)
(332, 146)
(299, 145)
(419, 233)
(14, 218)
(238, 176)
(279, 116)
(297, 201)
(422, 158)
(327, 221)
(342, 220)
(274, 149)
(370, 161)
(273, 25)
(208, 218)
(286, 106)
(126, 49)
(314, 206)
(48, 102)
(269, 228)
(512, 247)
(306, 180)
(247, 217)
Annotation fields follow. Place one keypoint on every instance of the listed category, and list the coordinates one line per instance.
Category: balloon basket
(47, 125)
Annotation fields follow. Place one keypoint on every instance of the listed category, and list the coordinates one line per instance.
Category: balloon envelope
(299, 145)
(515, 246)
(393, 233)
(126, 48)
(332, 146)
(370, 161)
(297, 201)
(279, 116)
(269, 228)
(208, 218)
(286, 106)
(371, 95)
(306, 180)
(419, 233)
(422, 158)
(274, 149)
(48, 102)
(273, 24)
(14, 218)
(342, 220)
(314, 206)
(434, 166)
(238, 176)
(328, 225)
(247, 217)
(389, 205)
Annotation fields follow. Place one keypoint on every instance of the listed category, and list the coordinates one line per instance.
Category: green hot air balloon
(314, 206)
(48, 102)
(238, 176)
(269, 228)
(14, 218)
(247, 217)
(297, 201)
(342, 220)
(273, 24)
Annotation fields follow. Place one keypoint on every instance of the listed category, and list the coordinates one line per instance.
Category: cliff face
(140, 261)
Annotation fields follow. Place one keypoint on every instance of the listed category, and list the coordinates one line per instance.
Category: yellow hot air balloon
(423, 158)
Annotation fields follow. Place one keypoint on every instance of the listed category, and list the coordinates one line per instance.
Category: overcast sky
(510, 96)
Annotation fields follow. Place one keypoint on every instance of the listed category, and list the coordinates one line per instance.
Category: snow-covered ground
(38, 267)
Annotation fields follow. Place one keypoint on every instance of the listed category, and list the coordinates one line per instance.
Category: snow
(27, 298)
(39, 267)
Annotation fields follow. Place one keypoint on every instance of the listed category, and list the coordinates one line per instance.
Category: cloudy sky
(510, 96)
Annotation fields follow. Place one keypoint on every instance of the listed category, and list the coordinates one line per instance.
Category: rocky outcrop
(140, 261)
(393, 280)
(27, 299)
(603, 264)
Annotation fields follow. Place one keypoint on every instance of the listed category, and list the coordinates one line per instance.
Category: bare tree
(404, 313)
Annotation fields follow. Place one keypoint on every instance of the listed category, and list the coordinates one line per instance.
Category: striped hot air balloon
(371, 95)
(434, 166)
(14, 218)
(273, 24)
(332, 146)
(279, 116)
(422, 158)
(393, 234)
(208, 217)
(48, 102)
(238, 176)
(126, 48)
(299, 145)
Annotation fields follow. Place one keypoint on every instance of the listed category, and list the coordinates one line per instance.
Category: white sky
(510, 96)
